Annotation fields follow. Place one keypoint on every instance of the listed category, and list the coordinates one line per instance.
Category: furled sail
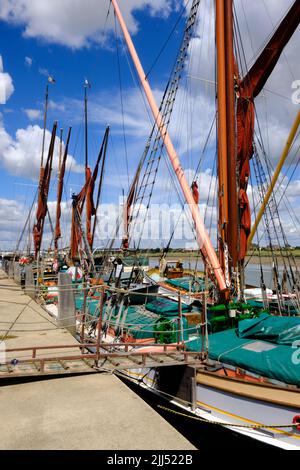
(90, 206)
(78, 203)
(44, 183)
(247, 89)
(195, 191)
(129, 203)
(61, 174)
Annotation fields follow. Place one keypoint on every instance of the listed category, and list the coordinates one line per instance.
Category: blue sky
(72, 40)
(70, 67)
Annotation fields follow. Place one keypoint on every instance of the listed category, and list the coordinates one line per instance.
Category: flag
(51, 79)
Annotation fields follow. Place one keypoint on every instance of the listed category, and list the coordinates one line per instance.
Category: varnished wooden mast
(232, 195)
(222, 129)
(203, 239)
(85, 127)
(86, 160)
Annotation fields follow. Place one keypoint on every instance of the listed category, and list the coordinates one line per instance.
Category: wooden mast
(60, 151)
(203, 239)
(50, 79)
(85, 125)
(222, 131)
(228, 199)
(232, 194)
(87, 170)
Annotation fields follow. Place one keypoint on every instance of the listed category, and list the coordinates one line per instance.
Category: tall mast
(87, 169)
(86, 85)
(49, 80)
(222, 131)
(60, 151)
(203, 239)
(45, 123)
(227, 169)
(232, 195)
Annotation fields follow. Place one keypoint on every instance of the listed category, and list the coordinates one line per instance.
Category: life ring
(296, 419)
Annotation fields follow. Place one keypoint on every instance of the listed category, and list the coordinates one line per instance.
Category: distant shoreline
(255, 259)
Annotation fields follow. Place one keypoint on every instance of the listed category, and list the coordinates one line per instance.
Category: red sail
(44, 183)
(195, 192)
(61, 175)
(128, 205)
(90, 208)
(248, 89)
(126, 216)
(78, 202)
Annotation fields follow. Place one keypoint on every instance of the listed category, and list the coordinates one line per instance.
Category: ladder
(95, 358)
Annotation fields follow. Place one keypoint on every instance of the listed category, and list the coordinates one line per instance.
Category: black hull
(138, 295)
(203, 435)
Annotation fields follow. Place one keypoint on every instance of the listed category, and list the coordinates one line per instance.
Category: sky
(72, 41)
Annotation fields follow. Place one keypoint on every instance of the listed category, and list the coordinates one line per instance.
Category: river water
(252, 271)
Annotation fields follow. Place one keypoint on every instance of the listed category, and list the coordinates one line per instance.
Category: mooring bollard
(10, 269)
(66, 303)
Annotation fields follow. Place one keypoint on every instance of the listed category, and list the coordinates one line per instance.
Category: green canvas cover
(188, 283)
(279, 330)
(166, 307)
(280, 362)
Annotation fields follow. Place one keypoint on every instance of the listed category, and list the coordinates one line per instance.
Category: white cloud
(105, 108)
(44, 72)
(28, 61)
(293, 190)
(56, 106)
(21, 156)
(33, 114)
(74, 23)
(6, 84)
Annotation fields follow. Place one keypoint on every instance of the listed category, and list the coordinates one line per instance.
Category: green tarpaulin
(279, 330)
(279, 362)
(166, 307)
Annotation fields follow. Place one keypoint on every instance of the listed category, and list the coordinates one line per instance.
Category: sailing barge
(249, 379)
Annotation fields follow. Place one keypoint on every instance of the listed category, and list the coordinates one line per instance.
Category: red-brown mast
(232, 227)
(221, 130)
(203, 239)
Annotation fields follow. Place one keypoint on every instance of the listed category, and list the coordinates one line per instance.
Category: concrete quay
(95, 411)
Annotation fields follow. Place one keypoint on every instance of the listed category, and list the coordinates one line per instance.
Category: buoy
(296, 419)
